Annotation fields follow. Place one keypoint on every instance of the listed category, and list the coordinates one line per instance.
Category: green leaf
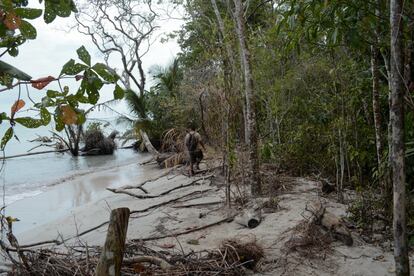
(71, 69)
(13, 51)
(84, 55)
(81, 118)
(64, 8)
(27, 30)
(13, 71)
(50, 13)
(45, 116)
(59, 125)
(105, 72)
(6, 138)
(53, 93)
(3, 116)
(93, 85)
(28, 13)
(118, 92)
(29, 122)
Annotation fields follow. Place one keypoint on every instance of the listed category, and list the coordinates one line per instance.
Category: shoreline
(66, 169)
(63, 195)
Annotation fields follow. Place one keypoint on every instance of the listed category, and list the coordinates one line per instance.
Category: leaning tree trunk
(397, 149)
(250, 101)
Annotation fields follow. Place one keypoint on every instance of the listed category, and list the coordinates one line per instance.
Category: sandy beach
(70, 210)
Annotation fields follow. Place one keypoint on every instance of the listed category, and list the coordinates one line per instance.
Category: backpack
(191, 142)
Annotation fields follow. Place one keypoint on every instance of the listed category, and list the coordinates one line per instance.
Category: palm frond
(136, 104)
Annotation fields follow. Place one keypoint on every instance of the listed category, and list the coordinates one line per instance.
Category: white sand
(81, 204)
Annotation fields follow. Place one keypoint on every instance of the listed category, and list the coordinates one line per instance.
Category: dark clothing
(196, 156)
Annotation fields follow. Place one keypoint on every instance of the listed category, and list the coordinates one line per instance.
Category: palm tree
(146, 111)
(167, 79)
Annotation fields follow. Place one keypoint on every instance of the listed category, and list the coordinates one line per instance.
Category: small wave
(30, 189)
(13, 198)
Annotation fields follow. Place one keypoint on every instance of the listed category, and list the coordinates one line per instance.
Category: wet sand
(61, 199)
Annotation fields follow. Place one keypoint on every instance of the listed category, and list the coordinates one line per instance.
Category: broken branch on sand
(164, 265)
(134, 212)
(198, 204)
(127, 187)
(120, 191)
(227, 219)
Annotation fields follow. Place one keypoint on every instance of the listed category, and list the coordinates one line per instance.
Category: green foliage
(94, 126)
(65, 104)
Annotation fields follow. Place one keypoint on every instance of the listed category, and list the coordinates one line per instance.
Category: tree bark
(397, 150)
(375, 101)
(228, 69)
(254, 165)
(113, 252)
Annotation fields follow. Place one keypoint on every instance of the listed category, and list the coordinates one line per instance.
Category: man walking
(194, 145)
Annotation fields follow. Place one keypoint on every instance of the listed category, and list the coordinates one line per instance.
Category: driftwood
(148, 144)
(165, 160)
(138, 211)
(331, 222)
(34, 153)
(164, 265)
(113, 251)
(198, 204)
(146, 181)
(191, 230)
(121, 191)
(169, 201)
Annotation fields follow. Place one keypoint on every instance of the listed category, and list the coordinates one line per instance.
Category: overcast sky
(53, 47)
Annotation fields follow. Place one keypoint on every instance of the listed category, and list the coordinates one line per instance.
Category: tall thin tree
(254, 164)
(397, 146)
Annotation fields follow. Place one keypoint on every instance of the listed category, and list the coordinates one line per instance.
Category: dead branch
(33, 153)
(117, 191)
(169, 201)
(127, 187)
(139, 211)
(164, 265)
(227, 219)
(198, 204)
(57, 242)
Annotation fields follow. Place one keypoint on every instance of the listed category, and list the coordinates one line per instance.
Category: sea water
(27, 176)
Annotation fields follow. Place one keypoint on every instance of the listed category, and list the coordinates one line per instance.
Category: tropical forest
(206, 137)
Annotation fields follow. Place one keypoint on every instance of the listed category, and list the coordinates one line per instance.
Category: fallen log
(165, 160)
(148, 144)
(250, 218)
(113, 251)
(331, 222)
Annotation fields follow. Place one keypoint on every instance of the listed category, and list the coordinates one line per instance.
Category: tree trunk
(113, 252)
(397, 150)
(228, 68)
(254, 165)
(375, 102)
